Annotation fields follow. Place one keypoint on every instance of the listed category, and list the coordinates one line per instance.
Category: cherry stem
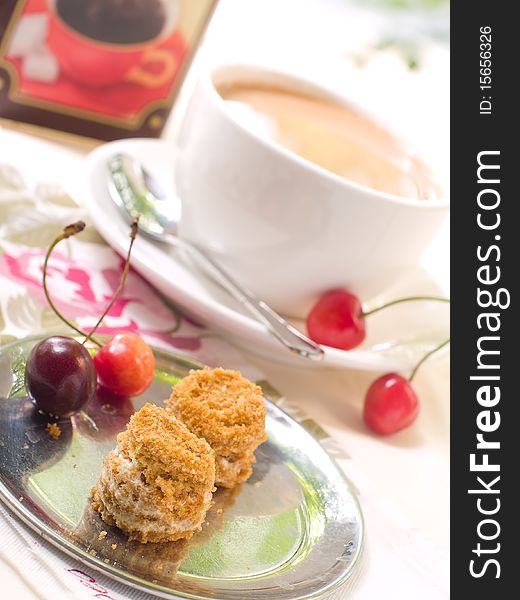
(68, 232)
(122, 280)
(408, 299)
(426, 357)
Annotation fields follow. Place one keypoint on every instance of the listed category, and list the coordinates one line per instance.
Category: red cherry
(126, 365)
(390, 404)
(337, 320)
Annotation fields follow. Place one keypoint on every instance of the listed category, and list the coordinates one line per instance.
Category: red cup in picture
(91, 61)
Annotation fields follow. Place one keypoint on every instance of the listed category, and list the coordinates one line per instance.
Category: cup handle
(140, 75)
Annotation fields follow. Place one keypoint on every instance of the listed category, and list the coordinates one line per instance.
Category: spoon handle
(288, 335)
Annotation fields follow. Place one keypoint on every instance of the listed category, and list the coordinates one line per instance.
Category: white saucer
(396, 337)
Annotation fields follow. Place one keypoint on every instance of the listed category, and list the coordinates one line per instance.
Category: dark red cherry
(60, 376)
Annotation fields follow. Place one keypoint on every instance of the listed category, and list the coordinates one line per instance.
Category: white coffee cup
(285, 227)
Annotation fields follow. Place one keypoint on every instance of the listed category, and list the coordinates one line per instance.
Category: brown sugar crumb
(114, 546)
(102, 535)
(54, 430)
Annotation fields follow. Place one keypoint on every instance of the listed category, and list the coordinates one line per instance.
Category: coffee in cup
(332, 136)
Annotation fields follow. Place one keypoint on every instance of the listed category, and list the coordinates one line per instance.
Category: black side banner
(485, 240)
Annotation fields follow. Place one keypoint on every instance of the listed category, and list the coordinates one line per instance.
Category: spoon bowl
(136, 192)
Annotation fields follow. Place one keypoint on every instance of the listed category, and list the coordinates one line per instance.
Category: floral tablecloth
(83, 274)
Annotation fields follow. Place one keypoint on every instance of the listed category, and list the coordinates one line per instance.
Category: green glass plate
(293, 530)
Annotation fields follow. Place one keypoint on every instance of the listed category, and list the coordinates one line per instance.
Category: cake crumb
(93, 552)
(54, 430)
(114, 546)
(20, 498)
(102, 535)
(106, 561)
